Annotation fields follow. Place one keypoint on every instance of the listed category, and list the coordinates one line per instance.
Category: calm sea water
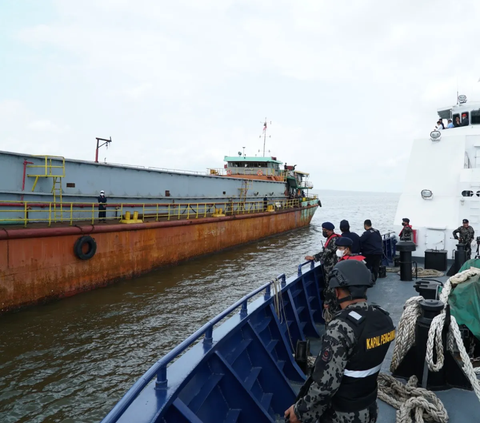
(72, 360)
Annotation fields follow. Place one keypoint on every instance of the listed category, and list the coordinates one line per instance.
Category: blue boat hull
(243, 370)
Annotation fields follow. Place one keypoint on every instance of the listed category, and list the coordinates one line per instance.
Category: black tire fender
(78, 247)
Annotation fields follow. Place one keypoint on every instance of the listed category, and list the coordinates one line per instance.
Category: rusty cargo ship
(52, 243)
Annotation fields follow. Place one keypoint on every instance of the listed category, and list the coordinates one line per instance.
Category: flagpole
(264, 136)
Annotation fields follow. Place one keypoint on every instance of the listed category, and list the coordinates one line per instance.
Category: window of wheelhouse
(454, 119)
(475, 117)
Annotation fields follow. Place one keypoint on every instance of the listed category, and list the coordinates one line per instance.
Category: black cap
(344, 224)
(406, 219)
(465, 220)
(343, 241)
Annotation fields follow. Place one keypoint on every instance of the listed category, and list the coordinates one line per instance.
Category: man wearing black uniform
(345, 228)
(371, 246)
(102, 206)
(343, 385)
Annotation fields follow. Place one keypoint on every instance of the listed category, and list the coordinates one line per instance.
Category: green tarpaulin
(465, 300)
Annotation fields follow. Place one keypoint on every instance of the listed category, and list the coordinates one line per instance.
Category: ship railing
(161, 169)
(24, 213)
(48, 168)
(279, 175)
(159, 369)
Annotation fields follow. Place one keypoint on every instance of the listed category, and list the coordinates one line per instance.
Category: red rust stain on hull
(36, 269)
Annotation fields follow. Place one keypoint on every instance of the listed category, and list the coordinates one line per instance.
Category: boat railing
(279, 175)
(52, 166)
(24, 213)
(159, 369)
(389, 247)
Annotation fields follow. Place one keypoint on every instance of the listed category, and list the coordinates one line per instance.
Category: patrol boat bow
(244, 370)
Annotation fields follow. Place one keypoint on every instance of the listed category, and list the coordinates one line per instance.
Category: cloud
(348, 85)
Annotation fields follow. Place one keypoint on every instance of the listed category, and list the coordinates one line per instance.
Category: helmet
(353, 276)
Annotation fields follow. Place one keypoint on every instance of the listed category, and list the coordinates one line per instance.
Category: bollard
(426, 378)
(405, 248)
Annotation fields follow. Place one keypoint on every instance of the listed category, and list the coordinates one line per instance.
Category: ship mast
(265, 135)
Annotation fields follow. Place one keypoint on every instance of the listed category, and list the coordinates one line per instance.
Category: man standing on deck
(343, 385)
(407, 231)
(102, 206)
(328, 258)
(345, 228)
(344, 251)
(467, 234)
(371, 246)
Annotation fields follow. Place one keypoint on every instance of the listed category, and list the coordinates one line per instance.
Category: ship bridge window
(454, 119)
(475, 117)
(462, 119)
(467, 193)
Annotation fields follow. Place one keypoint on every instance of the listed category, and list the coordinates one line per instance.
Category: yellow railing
(23, 212)
(48, 166)
(46, 170)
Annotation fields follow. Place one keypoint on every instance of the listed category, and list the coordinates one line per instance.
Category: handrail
(159, 369)
(312, 265)
(26, 212)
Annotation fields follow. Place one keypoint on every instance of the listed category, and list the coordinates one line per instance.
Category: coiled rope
(409, 399)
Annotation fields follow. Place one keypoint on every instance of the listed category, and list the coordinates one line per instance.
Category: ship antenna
(457, 91)
(265, 135)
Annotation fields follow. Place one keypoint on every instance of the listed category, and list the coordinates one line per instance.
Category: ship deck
(391, 294)
(247, 369)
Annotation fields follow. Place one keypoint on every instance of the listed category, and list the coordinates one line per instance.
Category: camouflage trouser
(368, 415)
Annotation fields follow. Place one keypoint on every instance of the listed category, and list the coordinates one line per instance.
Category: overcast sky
(180, 84)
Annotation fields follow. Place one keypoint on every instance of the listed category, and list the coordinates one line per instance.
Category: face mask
(325, 234)
(340, 253)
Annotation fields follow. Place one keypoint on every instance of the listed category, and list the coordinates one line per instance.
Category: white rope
(280, 307)
(406, 333)
(414, 404)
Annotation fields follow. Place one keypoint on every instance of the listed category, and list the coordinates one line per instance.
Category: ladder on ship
(243, 193)
(52, 167)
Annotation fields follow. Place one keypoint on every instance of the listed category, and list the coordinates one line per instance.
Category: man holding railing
(102, 207)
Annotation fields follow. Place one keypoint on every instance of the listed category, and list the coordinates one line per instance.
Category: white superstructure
(442, 185)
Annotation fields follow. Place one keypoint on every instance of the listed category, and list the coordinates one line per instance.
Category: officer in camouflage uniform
(328, 258)
(343, 385)
(466, 236)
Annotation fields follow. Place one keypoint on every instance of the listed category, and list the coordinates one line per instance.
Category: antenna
(265, 135)
(457, 90)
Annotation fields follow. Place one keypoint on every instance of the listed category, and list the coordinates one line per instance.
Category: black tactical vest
(374, 331)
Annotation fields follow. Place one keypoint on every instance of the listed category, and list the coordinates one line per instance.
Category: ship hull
(39, 265)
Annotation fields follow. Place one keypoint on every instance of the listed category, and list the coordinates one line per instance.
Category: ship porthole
(85, 247)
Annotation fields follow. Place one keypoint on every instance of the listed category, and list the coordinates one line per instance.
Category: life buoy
(78, 247)
(229, 172)
(260, 173)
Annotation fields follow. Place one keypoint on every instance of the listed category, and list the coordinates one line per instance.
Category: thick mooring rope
(414, 404)
(405, 340)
